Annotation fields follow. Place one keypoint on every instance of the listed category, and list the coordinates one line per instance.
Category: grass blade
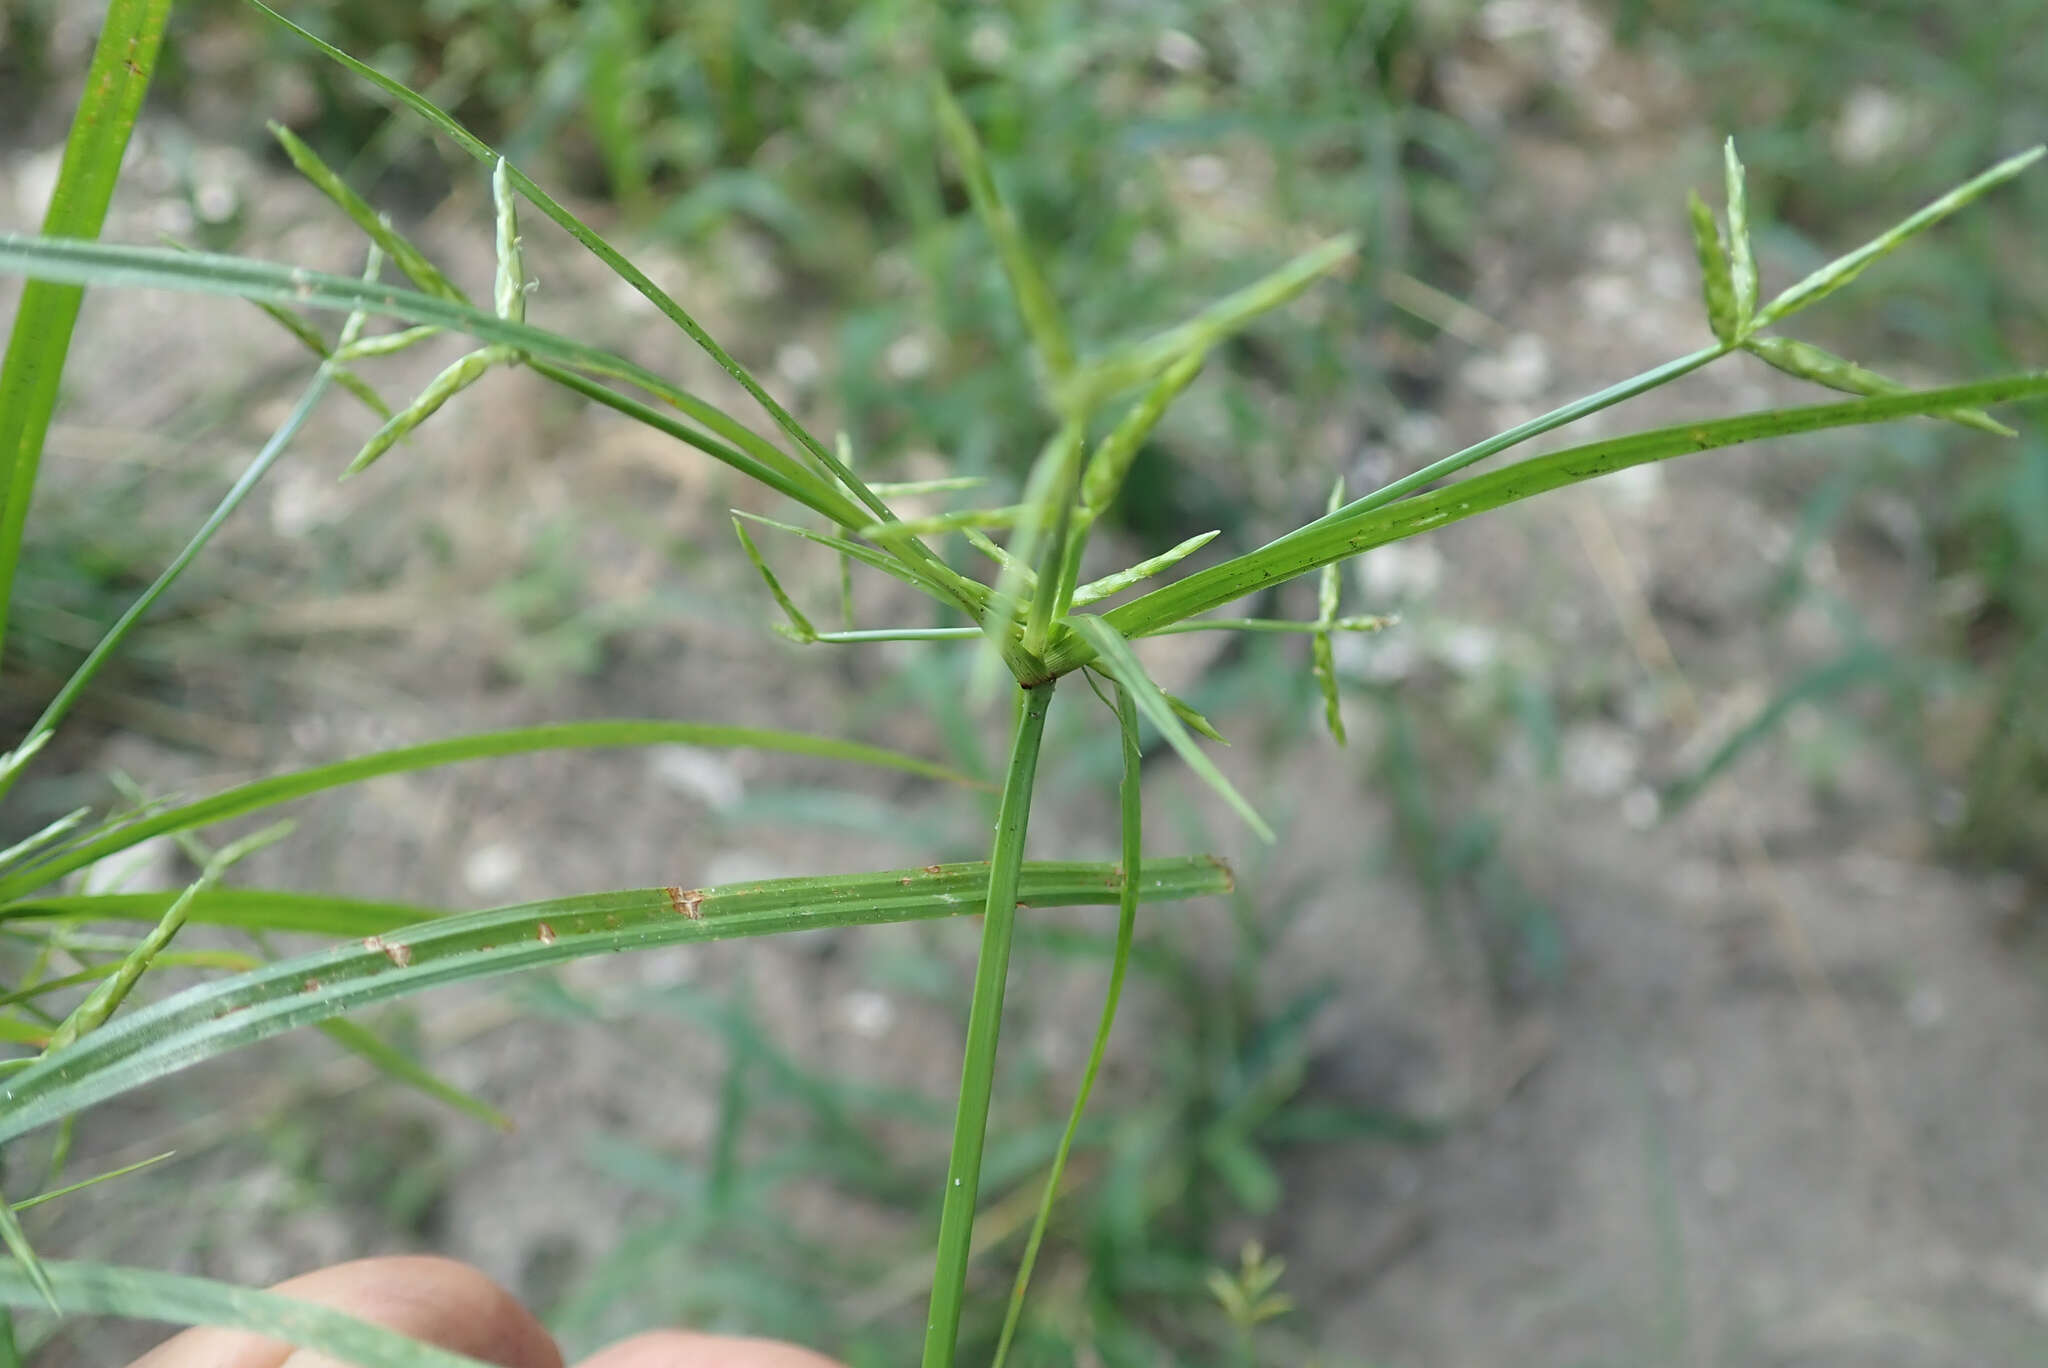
(410, 260)
(163, 268)
(984, 1024)
(184, 959)
(1844, 269)
(1113, 656)
(977, 596)
(396, 1064)
(82, 1184)
(1562, 416)
(799, 626)
(1861, 664)
(216, 1018)
(1145, 361)
(1129, 794)
(283, 788)
(145, 1294)
(1034, 298)
(30, 844)
(115, 83)
(1353, 530)
(801, 487)
(242, 909)
(33, 1270)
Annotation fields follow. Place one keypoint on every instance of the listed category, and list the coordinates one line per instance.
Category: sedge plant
(1020, 603)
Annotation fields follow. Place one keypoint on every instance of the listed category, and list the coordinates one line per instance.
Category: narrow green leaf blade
(1144, 361)
(242, 909)
(1356, 529)
(408, 258)
(959, 520)
(160, 268)
(221, 1016)
(800, 626)
(283, 788)
(1113, 656)
(32, 1269)
(115, 82)
(395, 1063)
(82, 1184)
(977, 595)
(800, 487)
(1035, 303)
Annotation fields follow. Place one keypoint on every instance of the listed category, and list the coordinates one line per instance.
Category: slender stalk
(984, 1023)
(1129, 794)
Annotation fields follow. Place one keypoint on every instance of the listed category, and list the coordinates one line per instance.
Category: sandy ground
(1770, 1102)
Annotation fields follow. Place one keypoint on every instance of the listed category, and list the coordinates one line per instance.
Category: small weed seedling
(1029, 616)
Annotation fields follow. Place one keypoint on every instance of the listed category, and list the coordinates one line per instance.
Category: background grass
(1163, 153)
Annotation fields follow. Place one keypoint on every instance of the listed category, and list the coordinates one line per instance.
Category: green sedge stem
(1129, 796)
(984, 1022)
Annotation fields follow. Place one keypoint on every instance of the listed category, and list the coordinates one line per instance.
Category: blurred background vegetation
(1160, 152)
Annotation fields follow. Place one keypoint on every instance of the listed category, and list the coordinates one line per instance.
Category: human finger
(686, 1349)
(440, 1301)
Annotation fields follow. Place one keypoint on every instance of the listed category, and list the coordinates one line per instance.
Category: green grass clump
(1015, 608)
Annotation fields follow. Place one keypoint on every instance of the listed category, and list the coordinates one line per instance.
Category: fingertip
(687, 1349)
